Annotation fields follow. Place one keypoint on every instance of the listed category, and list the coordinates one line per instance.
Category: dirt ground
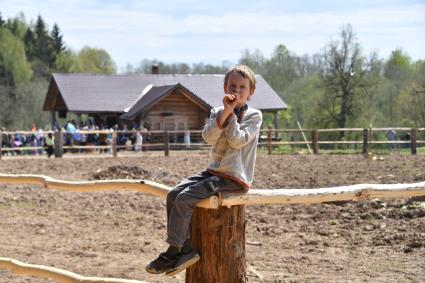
(115, 234)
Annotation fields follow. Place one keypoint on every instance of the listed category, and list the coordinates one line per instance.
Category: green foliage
(29, 41)
(342, 87)
(301, 96)
(28, 56)
(66, 62)
(13, 63)
(282, 62)
(58, 44)
(145, 67)
(14, 72)
(343, 78)
(43, 49)
(398, 65)
(2, 22)
(95, 61)
(17, 26)
(31, 98)
(338, 87)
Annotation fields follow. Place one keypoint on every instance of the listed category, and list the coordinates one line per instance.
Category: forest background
(339, 86)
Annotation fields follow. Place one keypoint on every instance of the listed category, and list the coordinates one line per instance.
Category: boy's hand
(229, 103)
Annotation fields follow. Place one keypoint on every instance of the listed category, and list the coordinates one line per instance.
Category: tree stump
(219, 237)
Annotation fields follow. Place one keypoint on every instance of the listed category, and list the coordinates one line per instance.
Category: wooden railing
(169, 140)
(252, 196)
(56, 274)
(230, 202)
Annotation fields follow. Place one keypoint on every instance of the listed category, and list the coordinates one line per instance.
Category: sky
(216, 31)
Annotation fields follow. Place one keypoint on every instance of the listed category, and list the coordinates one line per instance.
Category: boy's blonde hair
(245, 72)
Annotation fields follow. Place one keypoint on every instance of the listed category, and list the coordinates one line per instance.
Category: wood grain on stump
(219, 237)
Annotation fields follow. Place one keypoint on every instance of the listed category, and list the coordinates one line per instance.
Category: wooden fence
(222, 249)
(172, 140)
(55, 274)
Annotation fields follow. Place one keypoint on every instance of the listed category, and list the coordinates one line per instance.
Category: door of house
(175, 124)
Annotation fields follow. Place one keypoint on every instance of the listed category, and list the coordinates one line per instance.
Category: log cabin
(157, 102)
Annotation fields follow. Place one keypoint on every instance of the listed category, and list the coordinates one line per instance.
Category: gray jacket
(234, 147)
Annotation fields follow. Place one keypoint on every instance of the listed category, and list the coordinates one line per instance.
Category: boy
(233, 132)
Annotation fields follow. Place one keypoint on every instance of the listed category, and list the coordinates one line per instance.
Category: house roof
(114, 93)
(152, 94)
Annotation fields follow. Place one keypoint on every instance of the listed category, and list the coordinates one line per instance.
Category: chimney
(155, 69)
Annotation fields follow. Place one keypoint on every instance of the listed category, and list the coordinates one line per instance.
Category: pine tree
(58, 44)
(43, 49)
(41, 39)
(29, 41)
(2, 22)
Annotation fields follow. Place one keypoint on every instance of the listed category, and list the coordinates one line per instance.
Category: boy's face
(240, 86)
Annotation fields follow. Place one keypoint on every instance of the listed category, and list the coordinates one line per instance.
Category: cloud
(193, 31)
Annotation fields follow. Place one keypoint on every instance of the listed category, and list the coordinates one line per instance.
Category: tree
(95, 61)
(281, 69)
(29, 41)
(17, 26)
(58, 44)
(31, 97)
(2, 22)
(14, 71)
(43, 47)
(411, 101)
(254, 60)
(201, 68)
(67, 62)
(398, 65)
(13, 59)
(397, 70)
(145, 67)
(343, 77)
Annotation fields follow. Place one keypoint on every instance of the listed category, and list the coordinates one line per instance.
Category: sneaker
(163, 263)
(183, 261)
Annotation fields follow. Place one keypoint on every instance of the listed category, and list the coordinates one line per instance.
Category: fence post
(413, 140)
(58, 143)
(315, 141)
(365, 141)
(1, 142)
(269, 140)
(114, 144)
(166, 144)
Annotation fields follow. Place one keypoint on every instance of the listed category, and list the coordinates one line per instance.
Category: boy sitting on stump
(232, 130)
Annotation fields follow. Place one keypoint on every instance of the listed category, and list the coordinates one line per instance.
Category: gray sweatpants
(183, 198)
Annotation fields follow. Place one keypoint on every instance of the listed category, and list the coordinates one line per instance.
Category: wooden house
(159, 102)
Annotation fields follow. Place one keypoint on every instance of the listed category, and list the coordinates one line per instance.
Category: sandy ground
(114, 234)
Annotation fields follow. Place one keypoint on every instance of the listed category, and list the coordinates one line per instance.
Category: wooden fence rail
(56, 274)
(167, 140)
(222, 249)
(252, 196)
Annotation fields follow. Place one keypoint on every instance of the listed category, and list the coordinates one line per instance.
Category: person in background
(39, 140)
(77, 138)
(70, 130)
(103, 139)
(391, 136)
(139, 142)
(407, 139)
(49, 144)
(187, 138)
